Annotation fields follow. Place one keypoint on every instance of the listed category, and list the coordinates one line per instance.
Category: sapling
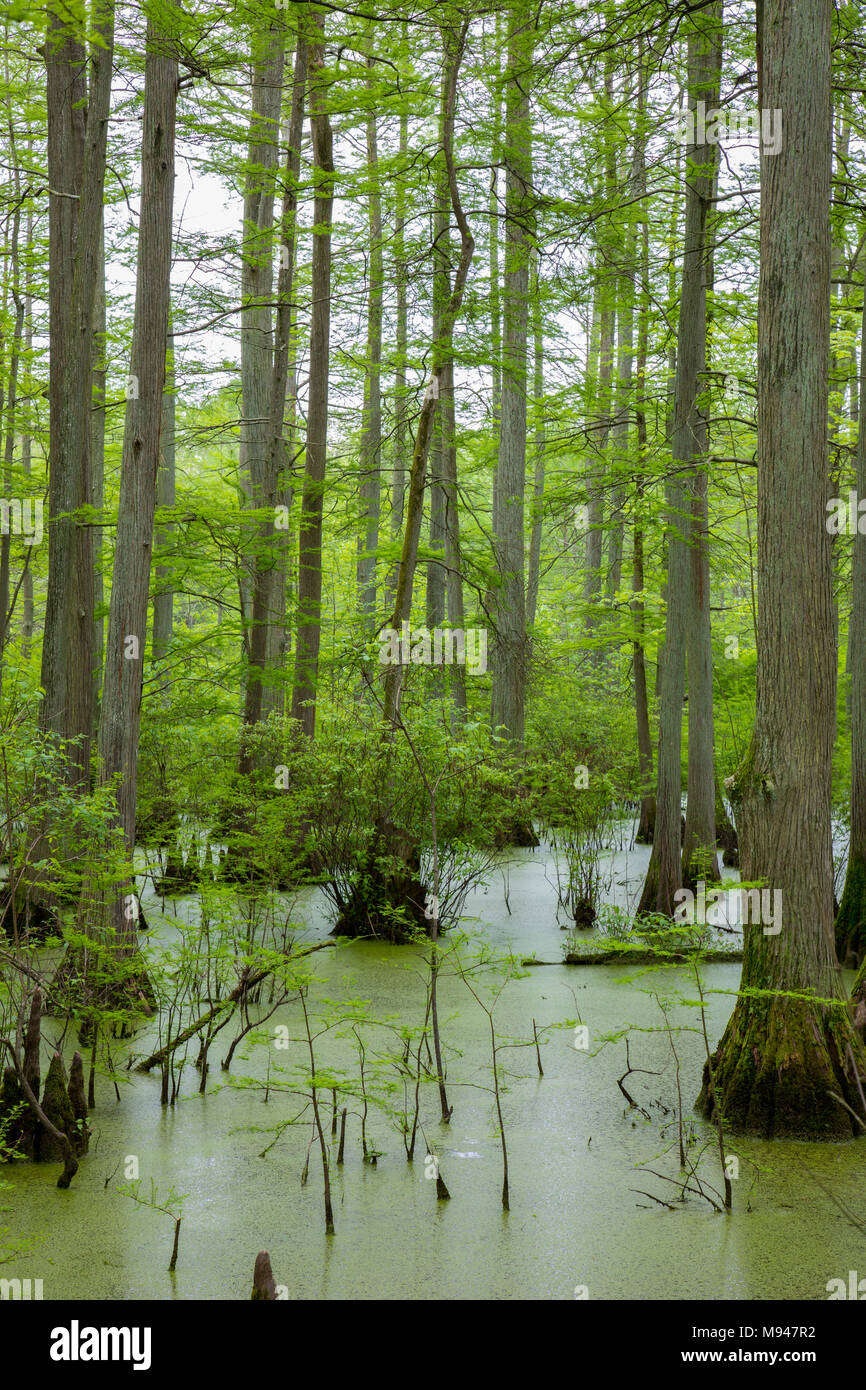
(537, 1048)
(171, 1205)
(665, 1007)
(370, 1156)
(483, 963)
(409, 1131)
(717, 1114)
(323, 1148)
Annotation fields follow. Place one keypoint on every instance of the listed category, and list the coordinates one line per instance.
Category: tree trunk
(699, 858)
(509, 657)
(99, 372)
(401, 431)
(27, 440)
(664, 874)
(493, 247)
(371, 432)
(120, 716)
(851, 918)
(534, 575)
(163, 598)
(77, 128)
(453, 554)
(272, 481)
(11, 407)
(436, 574)
(782, 1056)
(620, 462)
(383, 898)
(606, 325)
(647, 818)
(454, 45)
(76, 172)
(310, 531)
(257, 349)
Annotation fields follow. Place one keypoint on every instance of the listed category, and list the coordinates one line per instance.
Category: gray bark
(267, 64)
(97, 466)
(454, 42)
(539, 449)
(163, 597)
(371, 430)
(509, 655)
(782, 1057)
(699, 857)
(310, 531)
(76, 167)
(688, 445)
(267, 632)
(120, 715)
(401, 429)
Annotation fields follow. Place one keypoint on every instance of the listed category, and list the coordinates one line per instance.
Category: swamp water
(575, 1150)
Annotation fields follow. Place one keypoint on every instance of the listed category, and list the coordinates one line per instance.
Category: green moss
(774, 1070)
(57, 1107)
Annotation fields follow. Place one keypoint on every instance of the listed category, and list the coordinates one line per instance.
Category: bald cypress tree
(784, 1056)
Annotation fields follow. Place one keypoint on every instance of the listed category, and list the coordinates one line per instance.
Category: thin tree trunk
(699, 857)
(664, 874)
(371, 432)
(257, 348)
(453, 554)
(621, 464)
(11, 407)
(539, 448)
(99, 371)
(310, 531)
(454, 42)
(509, 665)
(435, 596)
(120, 715)
(27, 443)
(647, 818)
(606, 292)
(272, 475)
(163, 598)
(401, 431)
(493, 248)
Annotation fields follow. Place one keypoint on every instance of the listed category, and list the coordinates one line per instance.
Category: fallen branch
(246, 983)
